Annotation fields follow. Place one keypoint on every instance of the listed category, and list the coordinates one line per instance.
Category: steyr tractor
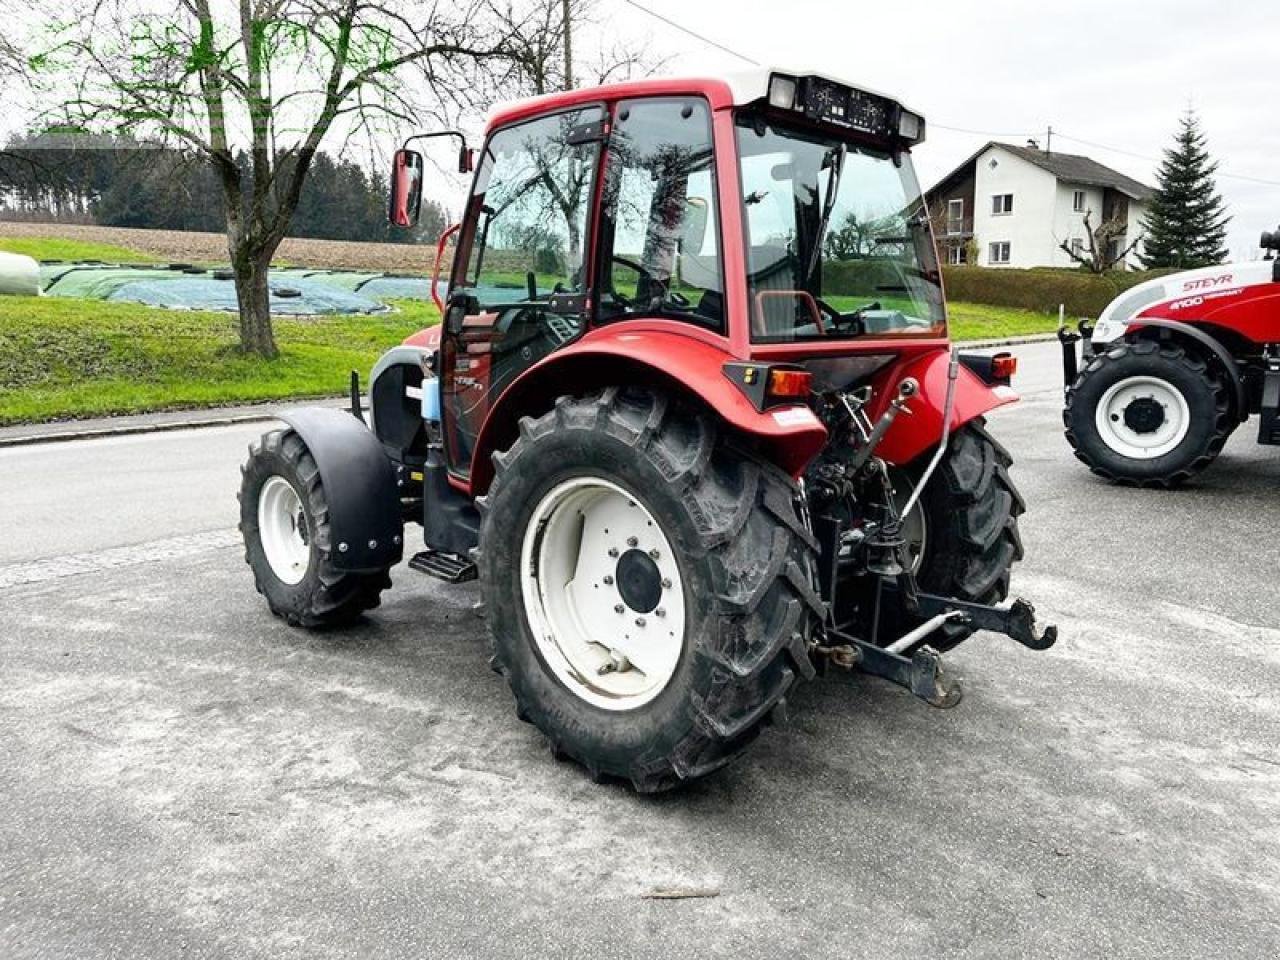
(691, 417)
(1172, 367)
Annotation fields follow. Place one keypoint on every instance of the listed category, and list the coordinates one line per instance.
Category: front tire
(641, 475)
(284, 519)
(1147, 414)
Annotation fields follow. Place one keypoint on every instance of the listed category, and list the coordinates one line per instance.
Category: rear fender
(912, 435)
(360, 486)
(790, 436)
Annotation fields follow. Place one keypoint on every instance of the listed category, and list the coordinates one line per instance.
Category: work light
(782, 91)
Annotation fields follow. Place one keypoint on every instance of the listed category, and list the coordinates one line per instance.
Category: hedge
(1041, 288)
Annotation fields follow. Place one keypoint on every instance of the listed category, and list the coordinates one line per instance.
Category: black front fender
(1240, 405)
(359, 483)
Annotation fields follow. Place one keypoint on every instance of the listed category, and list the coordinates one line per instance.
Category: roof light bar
(826, 101)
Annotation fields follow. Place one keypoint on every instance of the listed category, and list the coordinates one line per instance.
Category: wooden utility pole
(568, 46)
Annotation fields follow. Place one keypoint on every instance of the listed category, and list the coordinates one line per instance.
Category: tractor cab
(771, 215)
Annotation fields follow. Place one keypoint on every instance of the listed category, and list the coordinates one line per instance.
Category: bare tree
(1101, 250)
(255, 86)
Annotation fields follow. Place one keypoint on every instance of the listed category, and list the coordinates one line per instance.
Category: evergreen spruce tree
(1186, 223)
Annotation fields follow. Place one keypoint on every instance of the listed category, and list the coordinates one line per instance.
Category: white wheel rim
(588, 559)
(1121, 437)
(282, 528)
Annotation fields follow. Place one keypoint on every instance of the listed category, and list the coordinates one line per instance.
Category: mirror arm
(465, 164)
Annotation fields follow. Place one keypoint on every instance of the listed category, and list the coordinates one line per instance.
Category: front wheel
(649, 586)
(284, 518)
(1148, 414)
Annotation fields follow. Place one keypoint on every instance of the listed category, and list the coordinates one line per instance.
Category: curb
(1009, 341)
(65, 436)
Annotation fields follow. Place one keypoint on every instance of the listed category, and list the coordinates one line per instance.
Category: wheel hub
(603, 593)
(1144, 415)
(639, 581)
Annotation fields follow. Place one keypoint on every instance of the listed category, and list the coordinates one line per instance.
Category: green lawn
(978, 321)
(62, 358)
(65, 358)
(50, 248)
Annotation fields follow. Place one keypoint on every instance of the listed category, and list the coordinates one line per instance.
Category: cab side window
(660, 244)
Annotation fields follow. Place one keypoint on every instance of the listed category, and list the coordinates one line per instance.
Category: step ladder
(448, 567)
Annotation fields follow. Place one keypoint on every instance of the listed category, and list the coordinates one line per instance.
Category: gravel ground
(182, 775)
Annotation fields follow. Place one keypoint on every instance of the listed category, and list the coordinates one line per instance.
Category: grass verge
(56, 248)
(63, 358)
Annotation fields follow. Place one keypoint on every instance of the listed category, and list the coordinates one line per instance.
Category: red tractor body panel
(910, 436)
(1252, 312)
(653, 351)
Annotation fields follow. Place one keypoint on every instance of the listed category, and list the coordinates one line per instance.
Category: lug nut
(632, 541)
(666, 584)
(342, 548)
(619, 608)
(659, 612)
(653, 554)
(373, 544)
(639, 621)
(608, 581)
(613, 551)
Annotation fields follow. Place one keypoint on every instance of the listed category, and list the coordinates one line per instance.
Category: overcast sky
(1117, 73)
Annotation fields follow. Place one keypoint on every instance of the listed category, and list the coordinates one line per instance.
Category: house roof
(1067, 167)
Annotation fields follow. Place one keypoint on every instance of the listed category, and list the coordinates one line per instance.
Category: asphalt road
(182, 775)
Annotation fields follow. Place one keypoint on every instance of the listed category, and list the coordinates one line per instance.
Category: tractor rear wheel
(1148, 414)
(962, 534)
(284, 518)
(648, 586)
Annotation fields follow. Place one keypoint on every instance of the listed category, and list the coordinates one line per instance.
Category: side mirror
(406, 188)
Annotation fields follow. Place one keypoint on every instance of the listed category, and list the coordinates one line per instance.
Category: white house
(1013, 207)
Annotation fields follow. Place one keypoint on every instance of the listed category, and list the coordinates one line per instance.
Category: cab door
(520, 284)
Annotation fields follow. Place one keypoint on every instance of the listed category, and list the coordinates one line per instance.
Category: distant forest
(117, 182)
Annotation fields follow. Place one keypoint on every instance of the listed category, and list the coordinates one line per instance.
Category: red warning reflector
(1004, 366)
(790, 383)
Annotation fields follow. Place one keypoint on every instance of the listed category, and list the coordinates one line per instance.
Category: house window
(1002, 203)
(1077, 246)
(998, 252)
(955, 216)
(1077, 201)
(957, 255)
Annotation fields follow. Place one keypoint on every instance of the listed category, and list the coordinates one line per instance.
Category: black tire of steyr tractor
(971, 519)
(325, 597)
(747, 560)
(1205, 393)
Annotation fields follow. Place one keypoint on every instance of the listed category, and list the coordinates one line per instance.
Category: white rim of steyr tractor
(282, 528)
(1109, 418)
(603, 593)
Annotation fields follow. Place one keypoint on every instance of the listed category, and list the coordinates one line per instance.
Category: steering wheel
(673, 296)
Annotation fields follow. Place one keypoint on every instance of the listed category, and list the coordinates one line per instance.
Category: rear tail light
(789, 384)
(1004, 366)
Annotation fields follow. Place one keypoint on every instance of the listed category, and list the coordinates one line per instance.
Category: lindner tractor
(691, 417)
(1172, 367)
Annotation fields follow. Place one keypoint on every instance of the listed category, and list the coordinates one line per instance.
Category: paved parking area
(182, 775)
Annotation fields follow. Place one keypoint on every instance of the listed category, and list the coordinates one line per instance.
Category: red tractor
(691, 417)
(1172, 367)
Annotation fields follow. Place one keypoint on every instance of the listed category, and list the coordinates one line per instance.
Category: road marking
(75, 564)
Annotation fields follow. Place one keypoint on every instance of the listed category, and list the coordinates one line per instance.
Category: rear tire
(1147, 414)
(745, 560)
(971, 517)
(284, 519)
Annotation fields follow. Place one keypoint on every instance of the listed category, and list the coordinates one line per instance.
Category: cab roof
(733, 89)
